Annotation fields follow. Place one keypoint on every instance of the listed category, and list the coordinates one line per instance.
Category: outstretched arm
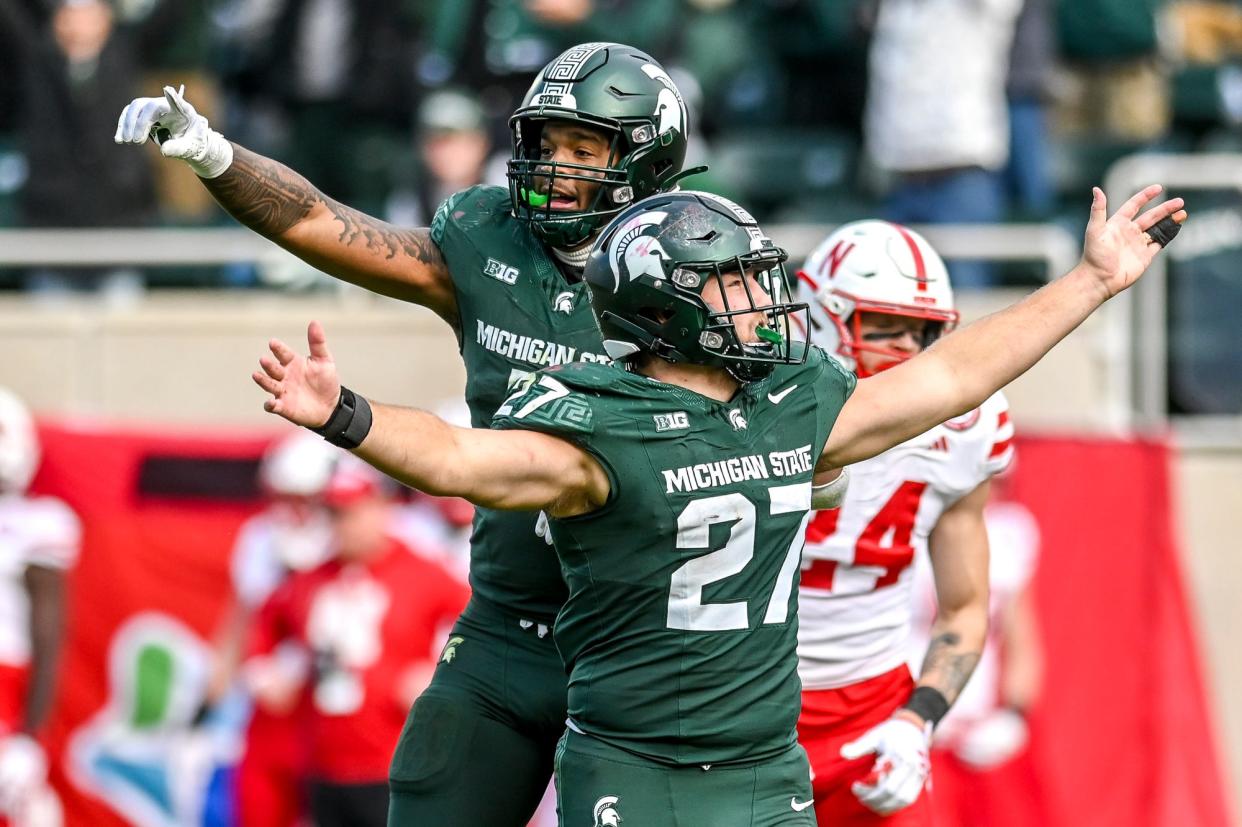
(963, 369)
(959, 558)
(512, 470)
(281, 205)
(46, 588)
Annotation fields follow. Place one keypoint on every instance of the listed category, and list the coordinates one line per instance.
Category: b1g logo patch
(500, 271)
(673, 421)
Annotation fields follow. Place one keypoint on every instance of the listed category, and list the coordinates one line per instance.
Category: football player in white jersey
(880, 294)
(39, 540)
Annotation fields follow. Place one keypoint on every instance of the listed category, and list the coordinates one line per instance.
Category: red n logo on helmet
(835, 256)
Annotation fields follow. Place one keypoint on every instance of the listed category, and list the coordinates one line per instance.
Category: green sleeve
(833, 387)
(544, 403)
(440, 221)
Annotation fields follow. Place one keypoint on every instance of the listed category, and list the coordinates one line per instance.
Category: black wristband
(350, 421)
(928, 703)
(1164, 231)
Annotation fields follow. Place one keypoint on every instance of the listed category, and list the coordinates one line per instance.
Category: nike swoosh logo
(775, 398)
(793, 802)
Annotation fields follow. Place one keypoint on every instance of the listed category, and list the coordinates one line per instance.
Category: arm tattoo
(947, 668)
(382, 238)
(266, 196)
(270, 198)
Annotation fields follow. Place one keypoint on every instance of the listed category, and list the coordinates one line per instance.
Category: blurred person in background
(879, 294)
(980, 759)
(75, 70)
(368, 618)
(39, 542)
(453, 153)
(602, 126)
(292, 534)
(1114, 84)
(936, 119)
(494, 46)
(1029, 90)
(339, 74)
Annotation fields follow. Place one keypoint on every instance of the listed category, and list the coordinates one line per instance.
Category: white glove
(901, 764)
(542, 529)
(181, 132)
(993, 739)
(23, 770)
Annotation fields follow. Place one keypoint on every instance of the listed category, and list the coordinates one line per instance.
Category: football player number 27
(686, 609)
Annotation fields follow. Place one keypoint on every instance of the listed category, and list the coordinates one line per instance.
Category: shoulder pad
(998, 448)
(469, 208)
(552, 401)
(51, 532)
(824, 367)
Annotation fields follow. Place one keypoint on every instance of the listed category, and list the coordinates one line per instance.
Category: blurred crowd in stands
(805, 110)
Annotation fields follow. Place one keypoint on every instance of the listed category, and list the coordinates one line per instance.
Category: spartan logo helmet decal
(564, 302)
(670, 108)
(606, 814)
(643, 255)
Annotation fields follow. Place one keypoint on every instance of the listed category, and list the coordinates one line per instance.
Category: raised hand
(180, 131)
(304, 389)
(1118, 249)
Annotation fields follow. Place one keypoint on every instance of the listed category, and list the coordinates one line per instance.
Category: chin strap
(576, 258)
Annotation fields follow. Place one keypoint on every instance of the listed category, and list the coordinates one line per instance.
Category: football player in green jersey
(678, 482)
(602, 126)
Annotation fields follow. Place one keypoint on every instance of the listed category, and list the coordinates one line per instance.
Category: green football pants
(478, 745)
(597, 784)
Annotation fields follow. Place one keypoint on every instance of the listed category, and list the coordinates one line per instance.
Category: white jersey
(856, 600)
(34, 531)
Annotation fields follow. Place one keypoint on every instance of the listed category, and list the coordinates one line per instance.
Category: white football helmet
(298, 465)
(19, 444)
(874, 267)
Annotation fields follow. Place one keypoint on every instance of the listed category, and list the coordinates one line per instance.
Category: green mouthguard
(767, 334)
(535, 199)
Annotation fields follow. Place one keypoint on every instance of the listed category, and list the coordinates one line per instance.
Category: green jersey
(518, 314)
(680, 629)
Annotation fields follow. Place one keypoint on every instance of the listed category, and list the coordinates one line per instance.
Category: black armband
(928, 703)
(1164, 231)
(350, 421)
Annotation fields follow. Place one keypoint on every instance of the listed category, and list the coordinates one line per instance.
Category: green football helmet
(608, 87)
(648, 271)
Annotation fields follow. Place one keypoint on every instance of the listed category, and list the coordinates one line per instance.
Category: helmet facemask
(532, 180)
(609, 87)
(767, 288)
(849, 329)
(669, 330)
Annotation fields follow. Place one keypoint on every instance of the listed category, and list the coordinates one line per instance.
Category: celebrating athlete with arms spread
(602, 126)
(879, 294)
(679, 483)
